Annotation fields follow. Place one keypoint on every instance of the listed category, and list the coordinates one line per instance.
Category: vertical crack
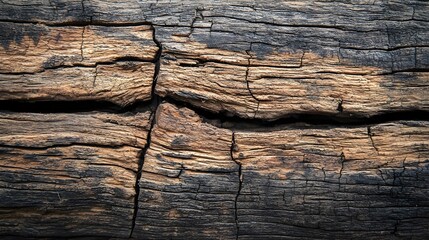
(155, 103)
(301, 64)
(398, 175)
(342, 160)
(81, 43)
(140, 170)
(198, 15)
(95, 76)
(83, 7)
(240, 183)
(157, 61)
(247, 80)
(415, 57)
(370, 134)
(340, 107)
(381, 175)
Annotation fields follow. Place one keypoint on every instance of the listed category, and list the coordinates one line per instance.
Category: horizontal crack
(226, 119)
(64, 145)
(80, 65)
(80, 106)
(80, 23)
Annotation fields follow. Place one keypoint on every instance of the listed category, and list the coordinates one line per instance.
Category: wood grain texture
(334, 182)
(176, 174)
(122, 83)
(263, 60)
(104, 63)
(314, 182)
(29, 48)
(69, 175)
(189, 181)
(270, 60)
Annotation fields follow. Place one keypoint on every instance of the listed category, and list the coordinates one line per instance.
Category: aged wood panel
(29, 48)
(314, 182)
(106, 63)
(316, 87)
(189, 181)
(334, 182)
(270, 59)
(69, 175)
(122, 83)
(74, 175)
(296, 60)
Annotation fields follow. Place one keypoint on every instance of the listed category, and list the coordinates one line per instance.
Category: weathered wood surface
(334, 182)
(29, 48)
(69, 175)
(122, 83)
(83, 175)
(199, 180)
(262, 60)
(270, 60)
(71, 63)
(189, 181)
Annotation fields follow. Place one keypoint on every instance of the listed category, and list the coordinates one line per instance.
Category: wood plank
(74, 175)
(122, 83)
(189, 181)
(69, 175)
(293, 182)
(30, 48)
(255, 64)
(346, 58)
(73, 63)
(334, 182)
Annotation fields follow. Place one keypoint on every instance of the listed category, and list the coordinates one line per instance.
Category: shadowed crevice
(240, 183)
(154, 106)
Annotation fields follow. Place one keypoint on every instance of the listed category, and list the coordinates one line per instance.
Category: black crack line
(240, 183)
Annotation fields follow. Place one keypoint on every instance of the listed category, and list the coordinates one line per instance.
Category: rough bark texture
(181, 119)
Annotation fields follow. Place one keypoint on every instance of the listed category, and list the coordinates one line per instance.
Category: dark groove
(80, 65)
(62, 145)
(81, 23)
(47, 237)
(240, 184)
(69, 106)
(154, 105)
(223, 118)
(226, 119)
(139, 174)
